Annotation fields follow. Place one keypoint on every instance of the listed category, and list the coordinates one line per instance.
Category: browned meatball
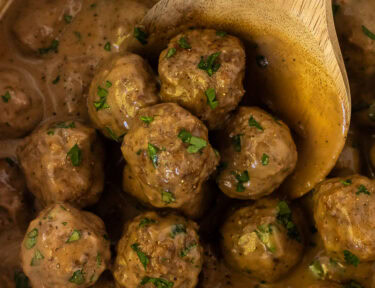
(169, 158)
(21, 107)
(203, 70)
(13, 209)
(263, 240)
(258, 153)
(157, 251)
(121, 87)
(63, 162)
(344, 212)
(65, 247)
(40, 22)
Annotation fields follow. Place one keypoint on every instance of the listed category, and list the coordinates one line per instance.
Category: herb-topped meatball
(159, 251)
(203, 70)
(121, 87)
(21, 107)
(169, 158)
(65, 247)
(263, 240)
(344, 212)
(258, 153)
(63, 162)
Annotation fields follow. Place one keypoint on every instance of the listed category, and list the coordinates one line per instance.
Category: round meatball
(263, 240)
(38, 23)
(122, 86)
(159, 251)
(63, 162)
(65, 247)
(13, 208)
(203, 71)
(21, 106)
(169, 158)
(344, 212)
(258, 153)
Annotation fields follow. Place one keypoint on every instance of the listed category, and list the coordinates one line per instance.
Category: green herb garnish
(107, 46)
(54, 47)
(71, 125)
(101, 103)
(284, 217)
(31, 238)
(362, 190)
(75, 155)
(221, 33)
(6, 97)
(317, 269)
(171, 52)
(265, 159)
(167, 197)
(196, 143)
(145, 222)
(142, 256)
(75, 236)
(236, 142)
(211, 64)
(98, 259)
(56, 80)
(140, 35)
(264, 233)
(346, 182)
(158, 282)
(113, 134)
(183, 43)
(36, 258)
(152, 152)
(241, 179)
(147, 119)
(368, 33)
(178, 229)
(350, 258)
(77, 277)
(255, 123)
(68, 18)
(184, 252)
(211, 98)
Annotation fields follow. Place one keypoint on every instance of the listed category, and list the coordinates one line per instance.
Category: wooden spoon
(305, 82)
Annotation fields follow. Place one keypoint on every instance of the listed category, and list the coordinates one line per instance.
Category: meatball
(159, 251)
(65, 247)
(344, 212)
(122, 86)
(263, 240)
(39, 23)
(169, 159)
(258, 153)
(13, 209)
(63, 162)
(21, 106)
(203, 71)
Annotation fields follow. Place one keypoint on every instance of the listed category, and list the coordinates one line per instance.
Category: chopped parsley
(241, 179)
(56, 80)
(38, 256)
(196, 143)
(221, 33)
(54, 47)
(265, 159)
(262, 61)
(236, 142)
(362, 190)
(101, 103)
(167, 197)
(255, 123)
(178, 229)
(158, 282)
(171, 52)
(147, 119)
(75, 236)
(211, 64)
(21, 280)
(184, 43)
(152, 152)
(75, 155)
(317, 269)
(211, 98)
(335, 9)
(78, 35)
(107, 46)
(113, 134)
(346, 182)
(141, 256)
(368, 33)
(31, 238)
(6, 97)
(68, 18)
(184, 252)
(140, 35)
(77, 277)
(146, 221)
(64, 223)
(350, 258)
(284, 217)
(71, 125)
(264, 233)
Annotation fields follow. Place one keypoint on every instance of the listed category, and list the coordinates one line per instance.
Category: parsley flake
(6, 97)
(211, 98)
(265, 159)
(317, 269)
(68, 18)
(184, 43)
(241, 179)
(31, 238)
(346, 182)
(140, 35)
(264, 233)
(236, 142)
(158, 282)
(362, 190)
(147, 119)
(75, 155)
(196, 143)
(350, 258)
(368, 33)
(184, 252)
(152, 152)
(211, 65)
(36, 258)
(101, 103)
(77, 277)
(145, 222)
(113, 134)
(107, 46)
(255, 123)
(171, 52)
(221, 33)
(54, 47)
(167, 197)
(75, 236)
(141, 256)
(56, 80)
(284, 217)
(177, 229)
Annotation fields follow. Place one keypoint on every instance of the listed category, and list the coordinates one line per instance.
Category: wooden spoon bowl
(305, 82)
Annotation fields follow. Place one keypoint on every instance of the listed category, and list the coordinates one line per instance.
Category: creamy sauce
(81, 48)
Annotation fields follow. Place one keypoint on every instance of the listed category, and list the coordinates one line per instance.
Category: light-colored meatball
(40, 22)
(13, 208)
(157, 251)
(263, 240)
(121, 87)
(344, 212)
(169, 159)
(65, 247)
(21, 107)
(258, 153)
(203, 71)
(63, 162)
